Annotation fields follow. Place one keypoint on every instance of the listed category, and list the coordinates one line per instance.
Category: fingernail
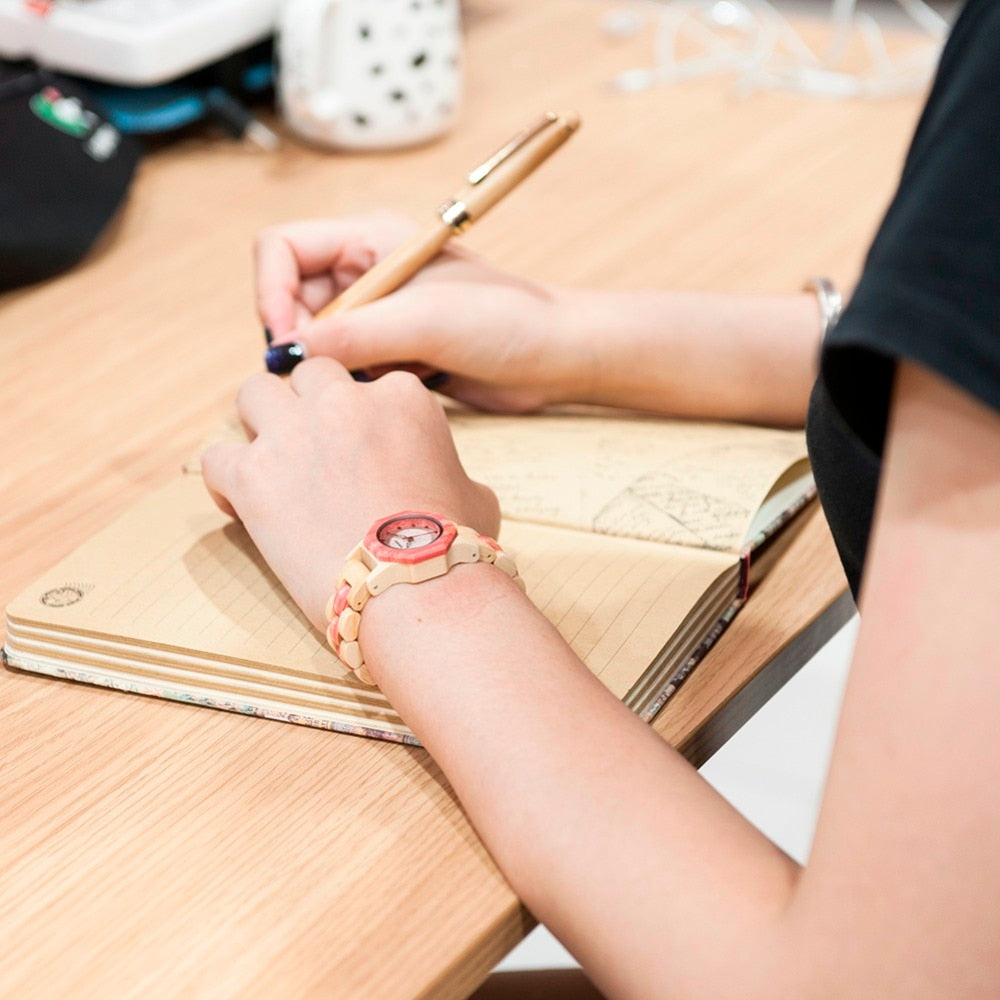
(435, 380)
(282, 358)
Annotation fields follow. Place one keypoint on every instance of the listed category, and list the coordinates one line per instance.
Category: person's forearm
(609, 836)
(749, 358)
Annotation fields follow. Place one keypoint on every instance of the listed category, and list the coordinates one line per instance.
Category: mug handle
(303, 31)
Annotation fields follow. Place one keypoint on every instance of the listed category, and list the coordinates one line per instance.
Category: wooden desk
(162, 850)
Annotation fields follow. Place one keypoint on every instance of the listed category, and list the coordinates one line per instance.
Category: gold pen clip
(506, 151)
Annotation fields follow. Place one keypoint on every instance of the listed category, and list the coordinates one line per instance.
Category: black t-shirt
(930, 289)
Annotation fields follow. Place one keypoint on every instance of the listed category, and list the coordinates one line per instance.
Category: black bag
(64, 172)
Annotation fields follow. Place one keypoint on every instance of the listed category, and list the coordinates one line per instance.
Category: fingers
(265, 403)
(303, 265)
(278, 277)
(259, 398)
(264, 397)
(216, 472)
(317, 374)
(299, 271)
(399, 328)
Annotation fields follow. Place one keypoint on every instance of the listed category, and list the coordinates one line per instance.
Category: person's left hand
(326, 457)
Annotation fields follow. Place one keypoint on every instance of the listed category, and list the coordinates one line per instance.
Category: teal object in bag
(220, 93)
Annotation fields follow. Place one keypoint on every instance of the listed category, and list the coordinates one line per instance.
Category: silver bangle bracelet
(830, 301)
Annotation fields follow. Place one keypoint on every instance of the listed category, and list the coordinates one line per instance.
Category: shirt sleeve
(930, 289)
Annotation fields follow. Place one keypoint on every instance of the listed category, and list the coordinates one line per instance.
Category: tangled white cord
(753, 41)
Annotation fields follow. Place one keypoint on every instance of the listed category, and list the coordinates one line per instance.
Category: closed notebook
(635, 536)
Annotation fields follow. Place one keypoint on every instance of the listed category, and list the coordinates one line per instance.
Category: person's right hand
(502, 341)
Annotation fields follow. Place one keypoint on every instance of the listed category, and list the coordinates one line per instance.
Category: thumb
(391, 330)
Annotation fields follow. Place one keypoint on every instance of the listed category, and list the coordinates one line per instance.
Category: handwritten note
(696, 484)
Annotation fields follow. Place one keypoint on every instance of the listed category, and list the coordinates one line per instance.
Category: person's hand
(500, 340)
(326, 457)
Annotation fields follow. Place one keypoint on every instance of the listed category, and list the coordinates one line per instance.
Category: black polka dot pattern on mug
(382, 73)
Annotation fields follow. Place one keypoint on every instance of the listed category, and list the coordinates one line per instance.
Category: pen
(485, 186)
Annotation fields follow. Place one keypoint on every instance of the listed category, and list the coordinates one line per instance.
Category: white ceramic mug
(369, 74)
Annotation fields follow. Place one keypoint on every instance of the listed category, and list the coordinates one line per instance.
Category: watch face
(411, 531)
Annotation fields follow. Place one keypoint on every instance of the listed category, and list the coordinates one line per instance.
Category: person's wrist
(411, 632)
(411, 547)
(578, 330)
(607, 335)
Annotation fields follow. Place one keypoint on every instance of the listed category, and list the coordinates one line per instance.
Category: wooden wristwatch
(409, 547)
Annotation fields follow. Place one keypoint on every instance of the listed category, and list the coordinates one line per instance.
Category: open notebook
(635, 537)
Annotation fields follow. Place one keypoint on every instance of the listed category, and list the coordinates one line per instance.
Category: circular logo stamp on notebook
(63, 597)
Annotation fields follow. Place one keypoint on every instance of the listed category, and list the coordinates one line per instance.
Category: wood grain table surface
(163, 850)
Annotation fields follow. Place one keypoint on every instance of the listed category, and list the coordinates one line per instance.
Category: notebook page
(686, 483)
(616, 601)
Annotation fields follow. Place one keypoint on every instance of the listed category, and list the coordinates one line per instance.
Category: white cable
(753, 39)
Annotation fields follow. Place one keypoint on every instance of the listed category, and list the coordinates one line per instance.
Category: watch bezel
(385, 553)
